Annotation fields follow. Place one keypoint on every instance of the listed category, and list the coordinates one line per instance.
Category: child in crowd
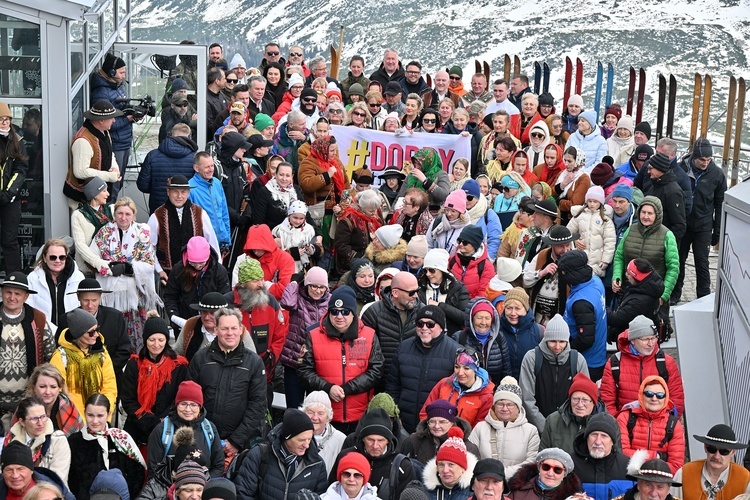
(460, 173)
(593, 221)
(295, 236)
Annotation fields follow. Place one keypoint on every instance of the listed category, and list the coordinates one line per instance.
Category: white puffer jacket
(598, 234)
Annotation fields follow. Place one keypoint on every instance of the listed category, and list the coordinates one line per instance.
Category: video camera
(142, 106)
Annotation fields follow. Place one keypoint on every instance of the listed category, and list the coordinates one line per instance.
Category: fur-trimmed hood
(431, 479)
(525, 479)
(387, 256)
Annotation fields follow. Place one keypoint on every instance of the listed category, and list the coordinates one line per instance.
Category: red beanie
(189, 391)
(584, 384)
(453, 449)
(354, 460)
(483, 306)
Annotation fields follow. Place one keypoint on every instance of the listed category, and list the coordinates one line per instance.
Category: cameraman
(107, 84)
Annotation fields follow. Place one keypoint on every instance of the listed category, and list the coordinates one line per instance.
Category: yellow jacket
(108, 386)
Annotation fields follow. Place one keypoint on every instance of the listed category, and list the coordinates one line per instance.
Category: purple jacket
(303, 312)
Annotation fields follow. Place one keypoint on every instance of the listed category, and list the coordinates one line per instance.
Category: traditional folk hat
(721, 436)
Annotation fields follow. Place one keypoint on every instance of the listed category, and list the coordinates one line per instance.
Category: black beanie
(17, 453)
(112, 63)
(155, 325)
(644, 127)
(376, 422)
(702, 148)
(603, 422)
(546, 99)
(308, 92)
(660, 162)
(573, 265)
(473, 234)
(295, 422)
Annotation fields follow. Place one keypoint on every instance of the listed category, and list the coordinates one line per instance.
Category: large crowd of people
(436, 331)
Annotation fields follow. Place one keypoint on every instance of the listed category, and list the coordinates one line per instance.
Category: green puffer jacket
(654, 243)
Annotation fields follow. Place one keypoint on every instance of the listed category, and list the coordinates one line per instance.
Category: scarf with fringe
(152, 375)
(84, 371)
(122, 441)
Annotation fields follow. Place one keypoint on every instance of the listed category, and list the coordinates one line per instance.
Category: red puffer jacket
(633, 369)
(650, 429)
(473, 404)
(474, 282)
(277, 265)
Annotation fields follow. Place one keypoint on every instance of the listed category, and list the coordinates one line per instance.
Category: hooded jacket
(634, 368)
(383, 317)
(310, 472)
(474, 281)
(233, 178)
(473, 403)
(601, 477)
(523, 485)
(521, 338)
(495, 357)
(593, 145)
(456, 299)
(708, 188)
(460, 491)
(103, 87)
(70, 275)
(640, 298)
(536, 153)
(655, 243)
(277, 265)
(672, 201)
(213, 278)
(303, 311)
(174, 156)
(423, 446)
(597, 232)
(544, 394)
(415, 370)
(650, 429)
(515, 444)
(383, 259)
(562, 427)
(210, 197)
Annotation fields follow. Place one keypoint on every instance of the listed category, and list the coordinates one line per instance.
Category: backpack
(671, 423)
(168, 431)
(387, 488)
(539, 359)
(614, 360)
(234, 466)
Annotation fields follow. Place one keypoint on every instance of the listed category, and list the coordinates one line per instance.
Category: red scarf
(319, 151)
(365, 223)
(550, 175)
(152, 377)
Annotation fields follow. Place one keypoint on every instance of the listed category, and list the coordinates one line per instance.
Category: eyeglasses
(652, 394)
(429, 120)
(537, 135)
(547, 467)
(188, 404)
(469, 197)
(340, 312)
(358, 113)
(35, 420)
(648, 340)
(93, 332)
(232, 80)
(356, 475)
(438, 423)
(505, 405)
(61, 258)
(197, 265)
(309, 99)
(5, 119)
(410, 293)
(412, 72)
(273, 53)
(713, 449)
(295, 54)
(456, 78)
(335, 111)
(317, 287)
(580, 401)
(428, 324)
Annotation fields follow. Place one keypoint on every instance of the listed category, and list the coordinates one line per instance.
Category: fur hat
(357, 461)
(417, 246)
(453, 449)
(595, 193)
(645, 128)
(509, 390)
(557, 329)
(436, 258)
(389, 235)
(641, 327)
(581, 383)
(457, 201)
(518, 294)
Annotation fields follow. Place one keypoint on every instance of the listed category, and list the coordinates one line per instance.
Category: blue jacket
(520, 339)
(122, 129)
(210, 197)
(591, 291)
(43, 475)
(174, 156)
(491, 229)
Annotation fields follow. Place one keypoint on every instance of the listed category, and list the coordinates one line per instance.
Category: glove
(117, 268)
(715, 238)
(128, 269)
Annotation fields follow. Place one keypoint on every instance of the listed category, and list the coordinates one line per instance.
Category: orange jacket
(277, 265)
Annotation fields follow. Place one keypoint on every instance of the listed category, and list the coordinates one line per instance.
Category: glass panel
(20, 61)
(95, 40)
(109, 20)
(27, 122)
(122, 10)
(77, 50)
(77, 110)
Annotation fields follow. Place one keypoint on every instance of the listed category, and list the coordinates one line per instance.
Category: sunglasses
(273, 53)
(356, 475)
(340, 312)
(462, 242)
(456, 78)
(506, 189)
(537, 135)
(469, 197)
(61, 258)
(295, 54)
(93, 333)
(429, 120)
(428, 324)
(335, 111)
(713, 449)
(359, 113)
(309, 99)
(430, 270)
(657, 395)
(547, 467)
(410, 293)
(373, 104)
(232, 80)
